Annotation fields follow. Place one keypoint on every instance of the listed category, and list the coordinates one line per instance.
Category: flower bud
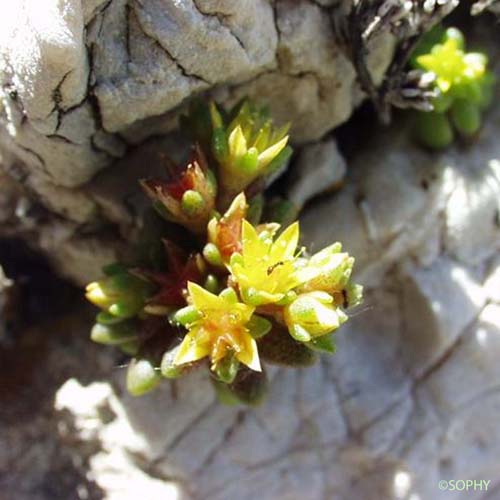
(120, 333)
(328, 270)
(212, 255)
(224, 234)
(312, 315)
(121, 295)
(192, 203)
(142, 377)
(247, 148)
(189, 198)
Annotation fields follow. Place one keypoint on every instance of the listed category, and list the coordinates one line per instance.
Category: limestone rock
(80, 79)
(400, 200)
(318, 169)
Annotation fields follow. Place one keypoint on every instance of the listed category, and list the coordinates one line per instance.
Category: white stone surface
(79, 78)
(318, 169)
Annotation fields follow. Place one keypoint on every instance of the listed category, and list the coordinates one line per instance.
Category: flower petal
(190, 349)
(267, 156)
(237, 143)
(203, 299)
(253, 247)
(286, 244)
(249, 354)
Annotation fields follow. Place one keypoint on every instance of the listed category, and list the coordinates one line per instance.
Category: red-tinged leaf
(172, 283)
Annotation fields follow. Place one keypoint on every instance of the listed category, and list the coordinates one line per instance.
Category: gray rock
(80, 78)
(318, 169)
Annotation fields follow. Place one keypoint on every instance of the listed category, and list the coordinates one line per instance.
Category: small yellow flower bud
(247, 148)
(121, 295)
(312, 315)
(328, 270)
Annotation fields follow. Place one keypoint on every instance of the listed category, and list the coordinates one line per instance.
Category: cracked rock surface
(80, 78)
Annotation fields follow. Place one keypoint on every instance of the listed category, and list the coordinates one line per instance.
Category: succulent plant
(463, 84)
(246, 146)
(240, 290)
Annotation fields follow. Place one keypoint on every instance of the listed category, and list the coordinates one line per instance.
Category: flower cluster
(241, 291)
(463, 83)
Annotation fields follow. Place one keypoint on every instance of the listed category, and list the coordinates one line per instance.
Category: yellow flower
(454, 68)
(447, 62)
(265, 270)
(247, 147)
(218, 329)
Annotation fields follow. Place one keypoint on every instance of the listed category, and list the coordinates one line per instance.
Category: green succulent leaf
(325, 343)
(224, 393)
(466, 117)
(258, 326)
(433, 130)
(114, 334)
(227, 369)
(167, 367)
(186, 315)
(279, 348)
(249, 387)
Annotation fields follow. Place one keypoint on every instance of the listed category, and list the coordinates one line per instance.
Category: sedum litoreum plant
(463, 85)
(235, 290)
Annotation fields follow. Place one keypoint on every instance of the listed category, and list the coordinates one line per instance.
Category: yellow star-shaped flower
(218, 330)
(452, 66)
(265, 270)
